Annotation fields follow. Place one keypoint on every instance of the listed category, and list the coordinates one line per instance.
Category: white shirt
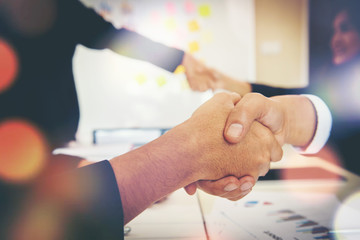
(323, 126)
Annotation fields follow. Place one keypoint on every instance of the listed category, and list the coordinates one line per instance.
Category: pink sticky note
(170, 8)
(189, 7)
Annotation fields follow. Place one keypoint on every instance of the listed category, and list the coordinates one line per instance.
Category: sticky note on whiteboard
(193, 26)
(194, 46)
(189, 6)
(204, 10)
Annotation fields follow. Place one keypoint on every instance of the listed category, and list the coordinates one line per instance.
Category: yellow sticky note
(194, 46)
(179, 70)
(193, 26)
(161, 81)
(204, 10)
(141, 79)
(170, 23)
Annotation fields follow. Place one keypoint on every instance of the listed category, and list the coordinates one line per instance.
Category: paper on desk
(177, 218)
(278, 215)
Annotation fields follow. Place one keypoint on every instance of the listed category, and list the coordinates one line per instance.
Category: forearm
(231, 84)
(151, 172)
(239, 87)
(300, 119)
(134, 45)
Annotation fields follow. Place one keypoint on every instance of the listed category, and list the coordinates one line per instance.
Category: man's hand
(230, 187)
(198, 75)
(223, 81)
(250, 108)
(256, 107)
(283, 115)
(220, 158)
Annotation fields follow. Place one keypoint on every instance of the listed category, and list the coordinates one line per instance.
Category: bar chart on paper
(275, 215)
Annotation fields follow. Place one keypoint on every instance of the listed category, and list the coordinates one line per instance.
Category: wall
(282, 42)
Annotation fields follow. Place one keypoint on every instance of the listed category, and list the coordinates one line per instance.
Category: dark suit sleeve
(95, 212)
(269, 91)
(91, 30)
(81, 204)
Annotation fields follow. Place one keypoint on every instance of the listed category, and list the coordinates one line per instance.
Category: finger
(264, 169)
(251, 107)
(191, 188)
(219, 187)
(203, 86)
(240, 196)
(276, 152)
(193, 84)
(224, 97)
(246, 185)
(228, 187)
(212, 84)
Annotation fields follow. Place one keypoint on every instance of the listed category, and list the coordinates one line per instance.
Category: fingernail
(235, 130)
(246, 186)
(230, 187)
(245, 193)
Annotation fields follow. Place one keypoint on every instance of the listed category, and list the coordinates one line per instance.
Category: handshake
(222, 148)
(250, 133)
(201, 78)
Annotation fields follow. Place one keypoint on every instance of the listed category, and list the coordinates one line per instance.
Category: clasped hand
(253, 134)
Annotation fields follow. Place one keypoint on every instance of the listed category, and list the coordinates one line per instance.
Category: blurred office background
(250, 40)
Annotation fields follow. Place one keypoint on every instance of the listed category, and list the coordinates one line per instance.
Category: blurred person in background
(39, 37)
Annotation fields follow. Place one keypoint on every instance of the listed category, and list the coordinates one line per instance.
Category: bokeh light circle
(346, 222)
(8, 66)
(23, 151)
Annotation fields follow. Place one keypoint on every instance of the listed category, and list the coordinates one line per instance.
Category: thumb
(252, 107)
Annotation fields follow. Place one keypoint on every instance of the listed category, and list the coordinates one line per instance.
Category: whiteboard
(115, 91)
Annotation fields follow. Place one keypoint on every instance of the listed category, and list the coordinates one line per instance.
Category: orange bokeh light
(8, 66)
(23, 151)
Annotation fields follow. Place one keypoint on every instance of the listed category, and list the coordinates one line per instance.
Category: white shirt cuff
(323, 126)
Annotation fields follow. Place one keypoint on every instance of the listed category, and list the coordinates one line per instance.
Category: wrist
(178, 150)
(300, 119)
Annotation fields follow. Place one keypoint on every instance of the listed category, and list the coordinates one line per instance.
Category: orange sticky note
(193, 26)
(194, 46)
